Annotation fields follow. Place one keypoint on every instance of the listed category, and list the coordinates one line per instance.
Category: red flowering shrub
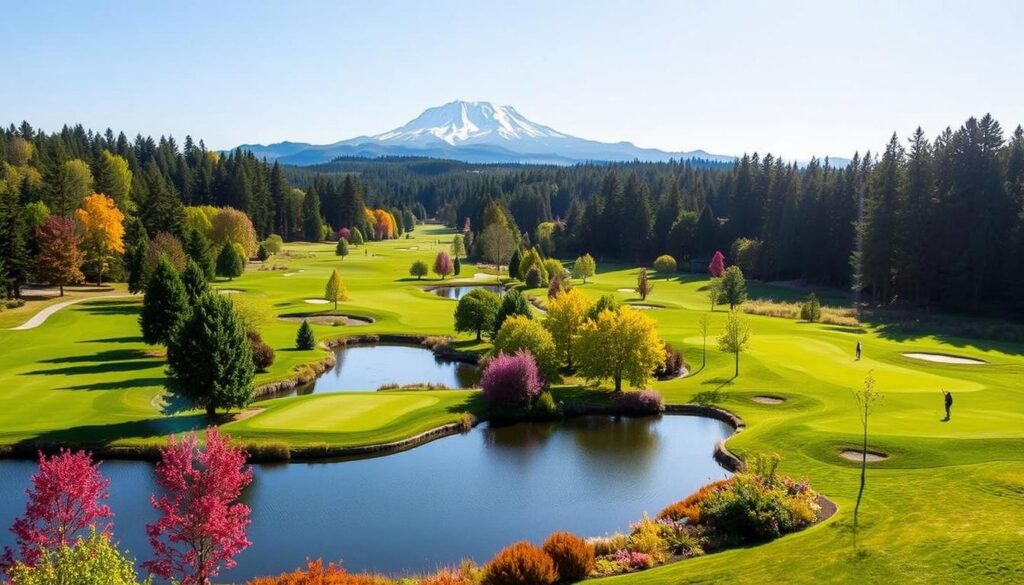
(573, 557)
(520, 564)
(512, 380)
(717, 267)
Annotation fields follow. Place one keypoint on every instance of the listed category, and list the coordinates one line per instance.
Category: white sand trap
(768, 399)
(228, 291)
(317, 301)
(944, 359)
(484, 276)
(853, 455)
(628, 290)
(643, 307)
(290, 273)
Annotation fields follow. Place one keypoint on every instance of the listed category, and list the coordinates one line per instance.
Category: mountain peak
(464, 122)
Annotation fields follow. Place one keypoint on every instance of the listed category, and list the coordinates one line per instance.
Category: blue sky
(796, 78)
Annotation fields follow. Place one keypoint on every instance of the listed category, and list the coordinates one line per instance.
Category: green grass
(946, 507)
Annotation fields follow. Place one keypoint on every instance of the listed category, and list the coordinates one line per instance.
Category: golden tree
(566, 314)
(621, 345)
(102, 232)
(335, 290)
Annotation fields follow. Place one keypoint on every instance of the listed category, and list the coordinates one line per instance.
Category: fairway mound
(328, 319)
(229, 291)
(765, 399)
(855, 455)
(942, 358)
(317, 301)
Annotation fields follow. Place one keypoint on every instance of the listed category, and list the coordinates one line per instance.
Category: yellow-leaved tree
(621, 345)
(335, 290)
(102, 233)
(566, 314)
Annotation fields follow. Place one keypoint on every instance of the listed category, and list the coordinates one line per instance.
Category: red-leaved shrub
(573, 557)
(689, 507)
(512, 380)
(445, 577)
(520, 564)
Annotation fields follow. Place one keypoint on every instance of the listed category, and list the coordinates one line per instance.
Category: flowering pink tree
(512, 380)
(717, 266)
(202, 527)
(345, 234)
(62, 504)
(443, 264)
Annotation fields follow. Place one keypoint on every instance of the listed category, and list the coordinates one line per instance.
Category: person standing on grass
(858, 350)
(949, 402)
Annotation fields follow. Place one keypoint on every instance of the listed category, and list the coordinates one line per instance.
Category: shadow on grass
(110, 355)
(103, 435)
(100, 368)
(122, 385)
(135, 339)
(109, 308)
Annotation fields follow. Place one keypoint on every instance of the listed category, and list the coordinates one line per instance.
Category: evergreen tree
(305, 339)
(160, 209)
(209, 358)
(13, 243)
(136, 248)
(513, 303)
(229, 262)
(312, 223)
(514, 262)
(342, 248)
(194, 281)
(164, 305)
(456, 266)
(198, 248)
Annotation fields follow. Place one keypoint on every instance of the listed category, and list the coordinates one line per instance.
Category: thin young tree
(703, 323)
(867, 398)
(335, 290)
(735, 337)
(644, 286)
(443, 264)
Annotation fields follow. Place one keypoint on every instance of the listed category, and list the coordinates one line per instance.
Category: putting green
(341, 412)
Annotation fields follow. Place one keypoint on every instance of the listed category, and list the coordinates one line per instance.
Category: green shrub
(811, 309)
(607, 545)
(545, 406)
(645, 537)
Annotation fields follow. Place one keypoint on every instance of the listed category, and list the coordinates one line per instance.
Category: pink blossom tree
(202, 525)
(443, 264)
(64, 503)
(717, 266)
(512, 380)
(345, 234)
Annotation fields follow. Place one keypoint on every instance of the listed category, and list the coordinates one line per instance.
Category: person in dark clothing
(858, 350)
(949, 402)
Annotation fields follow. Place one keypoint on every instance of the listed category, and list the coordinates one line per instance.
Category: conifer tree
(305, 339)
(229, 262)
(136, 249)
(194, 281)
(164, 305)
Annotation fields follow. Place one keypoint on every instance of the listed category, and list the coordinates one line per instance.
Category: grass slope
(946, 507)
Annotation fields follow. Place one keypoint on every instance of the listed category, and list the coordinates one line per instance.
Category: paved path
(41, 317)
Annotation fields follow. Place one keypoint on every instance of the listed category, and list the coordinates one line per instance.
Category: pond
(457, 292)
(361, 368)
(464, 496)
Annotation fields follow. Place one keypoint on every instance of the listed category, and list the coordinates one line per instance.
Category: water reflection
(361, 368)
(457, 292)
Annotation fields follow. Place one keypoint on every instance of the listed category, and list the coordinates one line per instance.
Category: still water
(457, 292)
(462, 496)
(361, 368)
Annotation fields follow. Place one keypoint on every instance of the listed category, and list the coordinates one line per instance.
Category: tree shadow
(102, 435)
(134, 339)
(100, 368)
(109, 308)
(122, 385)
(113, 355)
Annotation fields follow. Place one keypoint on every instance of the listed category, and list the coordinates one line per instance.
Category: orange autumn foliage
(101, 223)
(446, 577)
(316, 573)
(520, 564)
(573, 556)
(382, 222)
(689, 507)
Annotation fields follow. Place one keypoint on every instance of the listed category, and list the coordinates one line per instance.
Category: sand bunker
(228, 291)
(333, 320)
(853, 455)
(768, 399)
(643, 307)
(317, 301)
(626, 290)
(944, 359)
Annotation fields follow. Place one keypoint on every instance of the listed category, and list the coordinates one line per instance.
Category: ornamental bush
(512, 380)
(262, 354)
(688, 509)
(811, 309)
(533, 278)
(520, 564)
(573, 557)
(665, 265)
(641, 402)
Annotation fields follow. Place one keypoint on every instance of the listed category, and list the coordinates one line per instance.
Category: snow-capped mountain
(479, 132)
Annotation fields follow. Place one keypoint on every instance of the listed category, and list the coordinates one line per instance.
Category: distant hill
(475, 132)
